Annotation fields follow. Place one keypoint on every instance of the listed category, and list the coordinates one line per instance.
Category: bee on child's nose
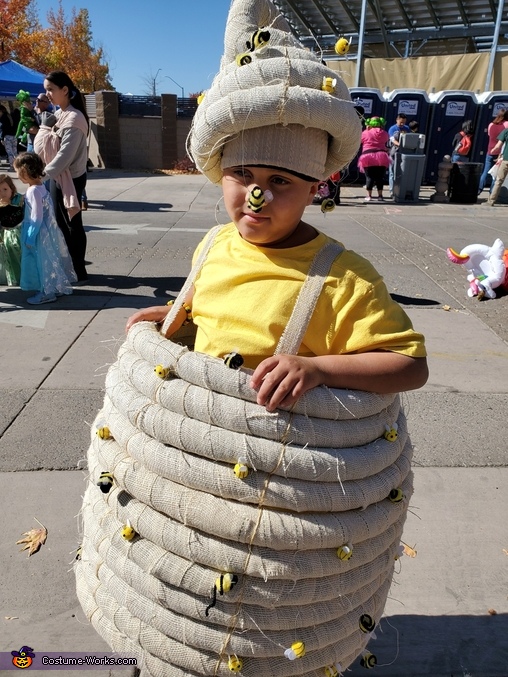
(258, 199)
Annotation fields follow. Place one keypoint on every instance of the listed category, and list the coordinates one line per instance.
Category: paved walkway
(142, 230)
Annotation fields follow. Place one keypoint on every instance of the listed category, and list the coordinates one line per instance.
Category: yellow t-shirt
(244, 296)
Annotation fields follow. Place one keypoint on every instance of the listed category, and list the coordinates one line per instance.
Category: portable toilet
(373, 104)
(414, 103)
(489, 105)
(450, 108)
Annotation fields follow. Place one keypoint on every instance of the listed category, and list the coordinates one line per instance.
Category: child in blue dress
(46, 265)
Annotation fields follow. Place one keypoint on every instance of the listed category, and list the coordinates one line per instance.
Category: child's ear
(313, 191)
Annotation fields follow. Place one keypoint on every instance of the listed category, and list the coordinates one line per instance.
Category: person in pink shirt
(374, 158)
(498, 124)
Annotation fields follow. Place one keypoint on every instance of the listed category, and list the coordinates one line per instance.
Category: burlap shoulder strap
(294, 332)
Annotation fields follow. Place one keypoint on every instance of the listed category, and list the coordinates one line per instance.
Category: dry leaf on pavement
(33, 539)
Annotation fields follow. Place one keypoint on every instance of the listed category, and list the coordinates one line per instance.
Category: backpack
(464, 145)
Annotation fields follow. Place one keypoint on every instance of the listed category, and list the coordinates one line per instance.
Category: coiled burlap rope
(319, 478)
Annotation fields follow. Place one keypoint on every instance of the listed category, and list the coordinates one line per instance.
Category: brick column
(169, 148)
(108, 129)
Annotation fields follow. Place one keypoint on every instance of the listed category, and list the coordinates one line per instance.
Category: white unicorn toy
(487, 267)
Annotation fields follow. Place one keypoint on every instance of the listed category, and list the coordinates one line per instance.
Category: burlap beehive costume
(310, 535)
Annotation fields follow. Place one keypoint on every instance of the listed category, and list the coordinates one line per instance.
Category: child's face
(22, 175)
(5, 193)
(278, 219)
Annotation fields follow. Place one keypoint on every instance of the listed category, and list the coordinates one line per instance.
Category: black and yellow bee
(224, 583)
(105, 482)
(79, 552)
(259, 39)
(296, 651)
(233, 360)
(128, 531)
(396, 495)
(241, 468)
(235, 664)
(104, 433)
(342, 46)
(161, 371)
(327, 205)
(345, 552)
(367, 623)
(256, 200)
(368, 660)
(243, 59)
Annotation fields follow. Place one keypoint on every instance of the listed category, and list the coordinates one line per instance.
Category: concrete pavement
(142, 230)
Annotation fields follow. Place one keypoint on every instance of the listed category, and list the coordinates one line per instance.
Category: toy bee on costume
(328, 205)
(258, 40)
(224, 583)
(297, 650)
(368, 660)
(128, 531)
(345, 552)
(162, 372)
(241, 469)
(391, 433)
(104, 433)
(396, 495)
(342, 46)
(233, 360)
(105, 482)
(235, 664)
(366, 623)
(328, 84)
(258, 199)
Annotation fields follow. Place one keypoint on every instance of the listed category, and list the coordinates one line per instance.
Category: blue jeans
(459, 158)
(490, 161)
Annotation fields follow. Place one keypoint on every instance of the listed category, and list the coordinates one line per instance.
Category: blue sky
(182, 38)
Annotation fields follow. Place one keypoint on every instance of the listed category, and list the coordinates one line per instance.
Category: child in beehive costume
(247, 520)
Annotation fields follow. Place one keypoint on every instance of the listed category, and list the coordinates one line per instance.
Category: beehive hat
(272, 103)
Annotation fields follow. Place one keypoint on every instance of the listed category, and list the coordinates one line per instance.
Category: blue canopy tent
(14, 76)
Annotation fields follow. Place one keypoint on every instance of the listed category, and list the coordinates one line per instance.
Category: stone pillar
(108, 129)
(168, 122)
(443, 179)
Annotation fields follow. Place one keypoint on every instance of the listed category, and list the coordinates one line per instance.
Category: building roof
(399, 28)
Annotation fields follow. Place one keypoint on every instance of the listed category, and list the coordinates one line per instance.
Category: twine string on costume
(238, 604)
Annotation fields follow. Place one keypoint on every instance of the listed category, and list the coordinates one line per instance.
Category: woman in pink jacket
(374, 158)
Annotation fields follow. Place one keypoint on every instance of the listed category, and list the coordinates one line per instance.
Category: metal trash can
(464, 182)
(408, 168)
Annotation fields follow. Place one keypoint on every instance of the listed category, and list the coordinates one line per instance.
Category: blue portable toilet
(450, 108)
(373, 104)
(490, 103)
(414, 103)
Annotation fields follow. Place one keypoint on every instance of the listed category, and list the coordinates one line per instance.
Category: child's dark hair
(5, 178)
(467, 127)
(31, 163)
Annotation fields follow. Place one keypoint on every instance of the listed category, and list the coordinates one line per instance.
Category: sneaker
(368, 198)
(380, 198)
(489, 203)
(41, 298)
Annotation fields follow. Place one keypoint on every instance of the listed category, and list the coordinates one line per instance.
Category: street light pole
(154, 83)
(176, 83)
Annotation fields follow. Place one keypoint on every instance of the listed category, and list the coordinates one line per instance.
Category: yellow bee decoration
(259, 39)
(342, 46)
(162, 372)
(200, 98)
(333, 670)
(235, 664)
(243, 59)
(105, 482)
(327, 205)
(233, 360)
(128, 531)
(297, 650)
(241, 469)
(224, 583)
(79, 552)
(104, 433)
(328, 85)
(258, 199)
(391, 433)
(368, 660)
(396, 495)
(345, 552)
(366, 623)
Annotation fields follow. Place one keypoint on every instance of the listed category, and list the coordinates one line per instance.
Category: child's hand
(153, 314)
(282, 379)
